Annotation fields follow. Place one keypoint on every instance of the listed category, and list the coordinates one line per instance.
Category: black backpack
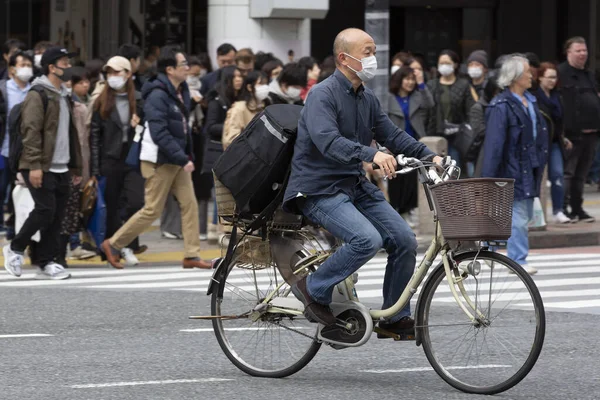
(14, 126)
(256, 165)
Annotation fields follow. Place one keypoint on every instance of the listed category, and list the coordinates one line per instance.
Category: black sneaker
(585, 217)
(405, 328)
(313, 311)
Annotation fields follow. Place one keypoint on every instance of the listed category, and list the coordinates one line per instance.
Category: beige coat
(83, 130)
(238, 117)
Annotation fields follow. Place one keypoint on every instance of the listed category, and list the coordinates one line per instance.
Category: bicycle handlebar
(408, 164)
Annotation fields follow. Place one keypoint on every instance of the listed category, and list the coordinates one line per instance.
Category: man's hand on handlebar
(387, 163)
(442, 162)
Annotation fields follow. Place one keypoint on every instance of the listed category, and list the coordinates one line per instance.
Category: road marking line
(139, 383)
(567, 304)
(25, 335)
(423, 369)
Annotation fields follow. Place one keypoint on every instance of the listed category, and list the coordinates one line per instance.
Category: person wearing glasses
(167, 159)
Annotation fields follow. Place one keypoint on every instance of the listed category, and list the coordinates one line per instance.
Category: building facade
(97, 27)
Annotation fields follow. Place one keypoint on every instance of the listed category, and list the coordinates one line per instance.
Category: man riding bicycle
(327, 184)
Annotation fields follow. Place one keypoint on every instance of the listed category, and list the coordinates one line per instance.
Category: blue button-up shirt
(335, 131)
(530, 109)
(15, 95)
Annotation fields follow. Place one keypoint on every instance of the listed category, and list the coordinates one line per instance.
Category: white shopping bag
(24, 204)
(538, 220)
(149, 151)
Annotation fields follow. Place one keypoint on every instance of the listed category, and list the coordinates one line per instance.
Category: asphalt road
(131, 344)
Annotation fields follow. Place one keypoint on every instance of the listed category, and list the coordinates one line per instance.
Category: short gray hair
(511, 70)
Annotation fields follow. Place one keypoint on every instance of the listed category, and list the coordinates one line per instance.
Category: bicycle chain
(297, 331)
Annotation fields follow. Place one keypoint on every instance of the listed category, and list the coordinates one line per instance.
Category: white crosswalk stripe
(569, 282)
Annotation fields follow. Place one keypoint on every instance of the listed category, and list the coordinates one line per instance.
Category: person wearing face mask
(477, 68)
(250, 103)
(50, 160)
(12, 92)
(313, 72)
(408, 106)
(286, 89)
(327, 184)
(117, 112)
(38, 51)
(220, 100)
(453, 97)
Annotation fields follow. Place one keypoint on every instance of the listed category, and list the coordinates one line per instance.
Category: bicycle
(255, 315)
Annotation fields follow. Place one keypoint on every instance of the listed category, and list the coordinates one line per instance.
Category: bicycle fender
(420, 304)
(218, 273)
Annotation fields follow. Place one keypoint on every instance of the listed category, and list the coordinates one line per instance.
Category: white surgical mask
(394, 69)
(24, 74)
(262, 91)
(475, 72)
(37, 60)
(194, 82)
(369, 67)
(69, 90)
(116, 82)
(293, 92)
(446, 69)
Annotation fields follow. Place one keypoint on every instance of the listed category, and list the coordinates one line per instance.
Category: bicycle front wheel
(498, 349)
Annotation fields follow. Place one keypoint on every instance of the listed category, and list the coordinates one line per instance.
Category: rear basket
(475, 209)
(225, 203)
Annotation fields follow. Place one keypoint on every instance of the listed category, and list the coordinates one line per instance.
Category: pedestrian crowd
(144, 131)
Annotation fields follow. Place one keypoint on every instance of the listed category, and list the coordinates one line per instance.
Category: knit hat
(479, 56)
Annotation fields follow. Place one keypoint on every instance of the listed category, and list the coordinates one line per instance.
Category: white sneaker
(81, 254)
(52, 271)
(12, 261)
(203, 237)
(527, 268)
(129, 257)
(169, 235)
(561, 218)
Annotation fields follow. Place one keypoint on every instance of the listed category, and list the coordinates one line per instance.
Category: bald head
(350, 41)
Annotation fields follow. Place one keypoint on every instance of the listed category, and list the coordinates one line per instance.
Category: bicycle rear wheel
(273, 346)
(498, 350)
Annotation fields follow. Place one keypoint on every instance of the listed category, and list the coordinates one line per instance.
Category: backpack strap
(43, 94)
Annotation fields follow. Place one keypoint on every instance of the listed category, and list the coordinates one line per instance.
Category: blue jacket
(166, 116)
(335, 131)
(510, 150)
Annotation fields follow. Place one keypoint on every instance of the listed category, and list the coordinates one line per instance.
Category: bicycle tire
(243, 366)
(422, 313)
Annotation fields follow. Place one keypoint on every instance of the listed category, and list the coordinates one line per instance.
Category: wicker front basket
(252, 253)
(475, 209)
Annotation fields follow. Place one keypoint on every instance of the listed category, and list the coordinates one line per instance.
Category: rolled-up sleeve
(320, 117)
(396, 140)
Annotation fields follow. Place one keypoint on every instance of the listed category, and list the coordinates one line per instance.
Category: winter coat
(420, 102)
(167, 118)
(510, 148)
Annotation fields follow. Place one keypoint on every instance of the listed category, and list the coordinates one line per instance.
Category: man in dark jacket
(516, 146)
(581, 123)
(328, 185)
(51, 157)
(167, 160)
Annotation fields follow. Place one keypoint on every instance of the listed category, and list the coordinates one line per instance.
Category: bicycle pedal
(383, 334)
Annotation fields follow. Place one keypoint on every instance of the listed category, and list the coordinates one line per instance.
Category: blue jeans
(366, 223)
(455, 155)
(518, 243)
(556, 174)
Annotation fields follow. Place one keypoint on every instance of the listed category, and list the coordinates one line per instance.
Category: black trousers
(47, 215)
(578, 164)
(121, 181)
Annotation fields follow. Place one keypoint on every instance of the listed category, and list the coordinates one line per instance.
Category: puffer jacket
(462, 98)
(167, 117)
(106, 136)
(510, 149)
